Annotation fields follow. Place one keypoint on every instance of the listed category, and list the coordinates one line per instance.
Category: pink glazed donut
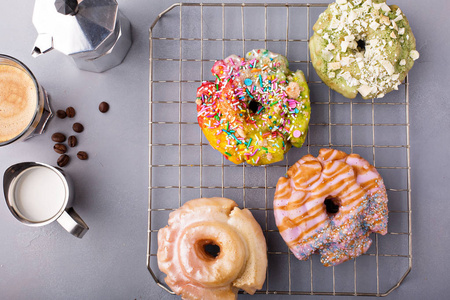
(330, 204)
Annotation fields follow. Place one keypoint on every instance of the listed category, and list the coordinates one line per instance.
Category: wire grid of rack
(185, 41)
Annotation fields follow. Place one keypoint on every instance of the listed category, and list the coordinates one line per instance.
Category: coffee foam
(18, 101)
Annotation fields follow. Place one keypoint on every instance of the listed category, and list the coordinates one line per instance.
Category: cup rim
(11, 202)
(19, 136)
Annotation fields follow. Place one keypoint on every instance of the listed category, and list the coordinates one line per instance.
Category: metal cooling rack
(185, 40)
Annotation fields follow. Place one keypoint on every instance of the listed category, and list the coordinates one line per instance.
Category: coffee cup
(24, 104)
(38, 194)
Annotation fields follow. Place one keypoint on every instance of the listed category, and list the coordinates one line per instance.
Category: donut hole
(208, 249)
(254, 106)
(332, 205)
(212, 250)
(361, 45)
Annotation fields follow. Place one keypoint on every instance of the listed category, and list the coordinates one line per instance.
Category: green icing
(393, 48)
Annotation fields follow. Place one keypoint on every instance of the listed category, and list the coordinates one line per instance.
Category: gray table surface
(110, 261)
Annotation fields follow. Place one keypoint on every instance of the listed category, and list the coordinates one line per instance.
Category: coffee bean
(103, 107)
(61, 114)
(60, 148)
(63, 160)
(82, 155)
(72, 141)
(58, 137)
(70, 111)
(77, 127)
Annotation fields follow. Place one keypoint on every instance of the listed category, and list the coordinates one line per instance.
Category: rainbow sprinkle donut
(256, 108)
(363, 46)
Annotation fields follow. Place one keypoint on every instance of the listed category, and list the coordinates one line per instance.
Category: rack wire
(185, 41)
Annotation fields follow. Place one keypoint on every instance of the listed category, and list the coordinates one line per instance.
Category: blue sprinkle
(248, 81)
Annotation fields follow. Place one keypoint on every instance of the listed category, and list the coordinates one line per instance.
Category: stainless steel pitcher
(93, 32)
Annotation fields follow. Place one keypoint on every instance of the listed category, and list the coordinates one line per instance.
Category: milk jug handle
(73, 223)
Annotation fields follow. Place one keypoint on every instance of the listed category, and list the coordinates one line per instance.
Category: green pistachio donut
(362, 46)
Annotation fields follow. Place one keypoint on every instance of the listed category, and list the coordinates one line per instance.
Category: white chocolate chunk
(393, 35)
(402, 62)
(327, 55)
(361, 65)
(377, 5)
(330, 47)
(364, 90)
(334, 66)
(414, 54)
(344, 46)
(374, 25)
(334, 23)
(353, 82)
(352, 16)
(374, 90)
(401, 31)
(341, 2)
(385, 7)
(347, 76)
(399, 17)
(331, 75)
(394, 25)
(345, 61)
(388, 66)
(349, 38)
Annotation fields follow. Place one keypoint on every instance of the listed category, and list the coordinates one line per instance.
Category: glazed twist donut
(256, 109)
(192, 270)
(362, 46)
(330, 203)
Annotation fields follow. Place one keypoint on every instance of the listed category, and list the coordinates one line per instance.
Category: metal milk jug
(93, 32)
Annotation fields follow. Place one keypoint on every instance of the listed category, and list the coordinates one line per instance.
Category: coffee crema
(18, 101)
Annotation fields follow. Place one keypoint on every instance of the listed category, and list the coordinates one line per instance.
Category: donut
(362, 46)
(211, 249)
(256, 108)
(330, 204)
